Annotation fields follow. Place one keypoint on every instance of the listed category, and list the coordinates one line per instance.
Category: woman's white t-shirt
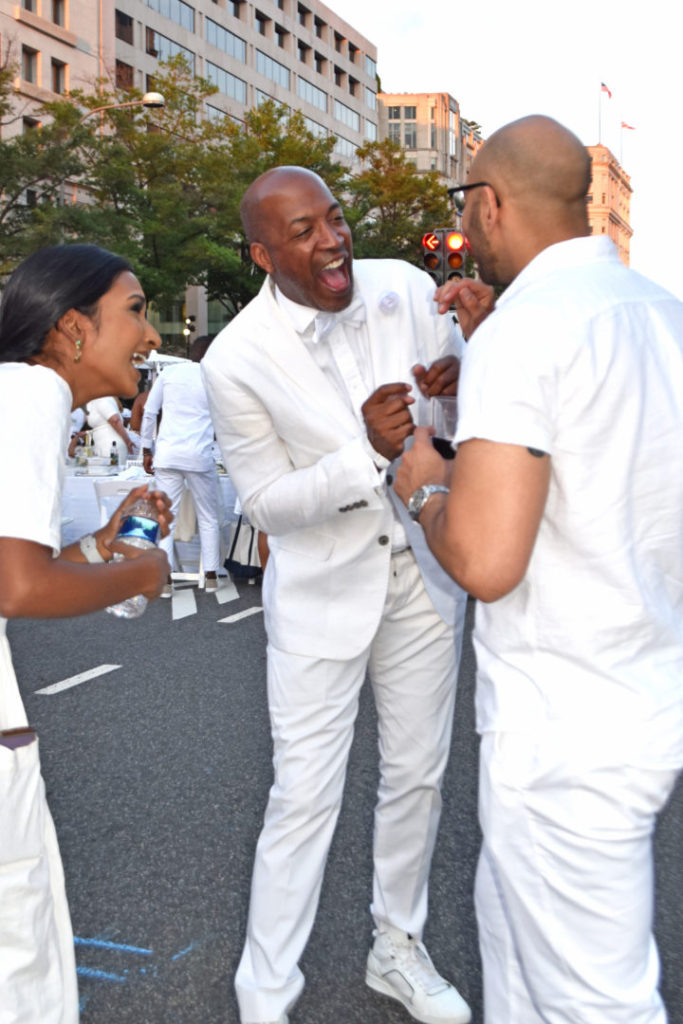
(34, 433)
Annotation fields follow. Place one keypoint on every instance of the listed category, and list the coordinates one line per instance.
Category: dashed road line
(82, 677)
(243, 615)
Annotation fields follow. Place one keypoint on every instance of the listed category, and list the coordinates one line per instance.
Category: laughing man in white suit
(310, 396)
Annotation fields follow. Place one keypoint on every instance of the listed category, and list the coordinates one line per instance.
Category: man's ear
(490, 208)
(260, 256)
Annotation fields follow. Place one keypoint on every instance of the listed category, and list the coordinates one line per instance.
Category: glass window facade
(347, 116)
(162, 47)
(344, 148)
(311, 94)
(176, 10)
(410, 134)
(314, 128)
(272, 69)
(226, 83)
(226, 41)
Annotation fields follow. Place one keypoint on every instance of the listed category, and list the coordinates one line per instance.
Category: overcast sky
(502, 60)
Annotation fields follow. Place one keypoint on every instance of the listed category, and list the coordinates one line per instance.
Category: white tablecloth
(81, 514)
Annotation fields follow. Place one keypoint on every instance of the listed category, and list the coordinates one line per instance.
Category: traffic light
(431, 254)
(443, 254)
(190, 326)
(455, 250)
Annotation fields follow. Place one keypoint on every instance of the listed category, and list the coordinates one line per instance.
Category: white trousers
(313, 705)
(564, 890)
(37, 961)
(204, 490)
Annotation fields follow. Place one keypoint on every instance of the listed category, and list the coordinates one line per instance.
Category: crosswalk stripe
(82, 677)
(242, 615)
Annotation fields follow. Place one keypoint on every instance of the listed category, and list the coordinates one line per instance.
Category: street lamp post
(150, 99)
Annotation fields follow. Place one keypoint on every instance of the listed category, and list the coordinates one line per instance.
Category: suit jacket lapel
(281, 343)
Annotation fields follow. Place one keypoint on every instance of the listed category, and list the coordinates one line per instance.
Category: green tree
(144, 175)
(391, 205)
(35, 168)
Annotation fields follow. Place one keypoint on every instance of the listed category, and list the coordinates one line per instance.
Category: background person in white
(105, 421)
(310, 408)
(183, 452)
(565, 515)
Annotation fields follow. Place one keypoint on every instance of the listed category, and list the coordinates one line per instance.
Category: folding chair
(111, 492)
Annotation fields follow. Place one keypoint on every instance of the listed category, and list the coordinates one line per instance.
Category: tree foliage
(391, 205)
(163, 187)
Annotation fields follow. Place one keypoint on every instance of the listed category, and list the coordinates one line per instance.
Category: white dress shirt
(185, 439)
(341, 351)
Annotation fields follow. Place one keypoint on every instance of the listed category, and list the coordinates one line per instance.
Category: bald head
(536, 161)
(265, 190)
(539, 173)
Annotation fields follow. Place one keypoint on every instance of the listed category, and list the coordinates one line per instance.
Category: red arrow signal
(431, 241)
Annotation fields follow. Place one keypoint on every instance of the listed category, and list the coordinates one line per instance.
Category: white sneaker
(400, 967)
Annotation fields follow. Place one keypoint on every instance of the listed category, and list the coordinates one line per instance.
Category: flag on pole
(604, 88)
(629, 126)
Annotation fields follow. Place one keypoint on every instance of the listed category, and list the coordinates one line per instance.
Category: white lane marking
(82, 677)
(242, 615)
(227, 591)
(183, 603)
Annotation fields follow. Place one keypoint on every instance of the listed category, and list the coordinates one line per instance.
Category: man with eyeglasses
(565, 518)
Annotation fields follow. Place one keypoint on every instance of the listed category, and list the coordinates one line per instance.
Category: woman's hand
(107, 534)
(153, 562)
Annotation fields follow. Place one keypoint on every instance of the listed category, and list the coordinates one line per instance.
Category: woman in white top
(106, 423)
(72, 327)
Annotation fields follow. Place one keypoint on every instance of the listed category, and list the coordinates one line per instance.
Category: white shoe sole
(378, 984)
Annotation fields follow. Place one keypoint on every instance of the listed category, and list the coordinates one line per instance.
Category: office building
(609, 200)
(433, 133)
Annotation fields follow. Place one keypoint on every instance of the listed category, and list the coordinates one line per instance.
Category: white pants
(313, 705)
(204, 490)
(564, 890)
(37, 961)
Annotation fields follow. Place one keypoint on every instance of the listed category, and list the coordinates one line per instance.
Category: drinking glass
(444, 422)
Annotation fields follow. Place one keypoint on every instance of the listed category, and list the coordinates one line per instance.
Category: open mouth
(138, 360)
(335, 275)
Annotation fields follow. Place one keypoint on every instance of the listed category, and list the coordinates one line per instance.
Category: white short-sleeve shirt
(583, 359)
(35, 423)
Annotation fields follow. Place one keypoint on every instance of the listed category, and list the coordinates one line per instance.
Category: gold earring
(77, 357)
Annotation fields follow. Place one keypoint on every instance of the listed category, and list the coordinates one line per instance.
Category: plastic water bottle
(140, 529)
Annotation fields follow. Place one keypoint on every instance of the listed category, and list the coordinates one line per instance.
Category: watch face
(416, 502)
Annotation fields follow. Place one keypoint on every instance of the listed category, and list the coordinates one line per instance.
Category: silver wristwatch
(419, 498)
(88, 546)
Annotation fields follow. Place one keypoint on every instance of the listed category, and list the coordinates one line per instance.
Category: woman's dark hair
(45, 286)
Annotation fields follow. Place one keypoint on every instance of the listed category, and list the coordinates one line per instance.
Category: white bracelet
(88, 546)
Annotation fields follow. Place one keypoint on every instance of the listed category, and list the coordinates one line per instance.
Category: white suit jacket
(296, 455)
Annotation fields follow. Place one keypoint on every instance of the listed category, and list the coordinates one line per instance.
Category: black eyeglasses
(457, 193)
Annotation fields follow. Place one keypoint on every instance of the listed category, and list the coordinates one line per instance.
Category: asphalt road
(157, 774)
